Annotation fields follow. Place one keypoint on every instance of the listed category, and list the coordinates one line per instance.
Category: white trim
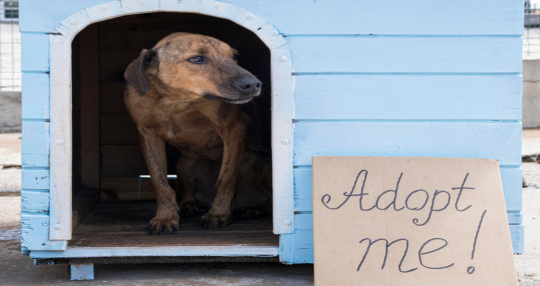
(61, 139)
(231, 251)
(282, 101)
(282, 141)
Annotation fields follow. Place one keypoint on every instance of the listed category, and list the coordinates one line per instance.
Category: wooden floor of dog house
(125, 224)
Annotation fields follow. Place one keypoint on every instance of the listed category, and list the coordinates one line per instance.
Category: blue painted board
(511, 180)
(517, 232)
(298, 247)
(35, 201)
(513, 188)
(35, 96)
(372, 97)
(45, 16)
(35, 179)
(35, 52)
(35, 143)
(35, 233)
(515, 218)
(405, 54)
(501, 141)
(393, 17)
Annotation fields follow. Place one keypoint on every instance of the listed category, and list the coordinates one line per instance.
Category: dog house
(359, 78)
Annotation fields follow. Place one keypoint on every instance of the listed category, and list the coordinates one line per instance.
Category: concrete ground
(16, 269)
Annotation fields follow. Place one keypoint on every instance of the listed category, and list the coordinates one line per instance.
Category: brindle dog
(186, 92)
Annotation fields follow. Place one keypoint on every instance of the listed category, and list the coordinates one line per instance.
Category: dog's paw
(211, 220)
(252, 212)
(164, 225)
(188, 209)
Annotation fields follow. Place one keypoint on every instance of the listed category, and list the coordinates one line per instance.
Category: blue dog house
(358, 78)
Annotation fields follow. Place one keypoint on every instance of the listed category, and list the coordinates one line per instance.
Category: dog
(188, 91)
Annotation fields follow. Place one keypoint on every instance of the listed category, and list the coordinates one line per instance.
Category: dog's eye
(197, 60)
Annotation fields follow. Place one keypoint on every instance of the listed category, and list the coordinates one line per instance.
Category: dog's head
(192, 66)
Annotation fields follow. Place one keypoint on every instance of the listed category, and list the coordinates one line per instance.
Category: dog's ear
(135, 73)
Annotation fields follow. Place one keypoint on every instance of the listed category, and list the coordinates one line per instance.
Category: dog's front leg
(167, 219)
(233, 149)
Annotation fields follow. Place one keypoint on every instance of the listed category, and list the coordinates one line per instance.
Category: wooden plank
(408, 97)
(44, 17)
(122, 224)
(89, 71)
(35, 96)
(35, 179)
(126, 188)
(515, 218)
(517, 233)
(406, 54)
(513, 188)
(282, 142)
(111, 97)
(415, 17)
(35, 144)
(76, 129)
(61, 137)
(511, 179)
(122, 160)
(76, 94)
(118, 129)
(157, 251)
(298, 247)
(77, 165)
(83, 204)
(35, 233)
(35, 52)
(128, 161)
(501, 141)
(34, 201)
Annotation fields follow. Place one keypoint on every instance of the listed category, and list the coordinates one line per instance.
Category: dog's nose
(249, 85)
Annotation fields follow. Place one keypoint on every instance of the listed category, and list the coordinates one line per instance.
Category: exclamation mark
(470, 269)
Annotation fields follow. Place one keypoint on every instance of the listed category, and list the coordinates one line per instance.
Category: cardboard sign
(410, 221)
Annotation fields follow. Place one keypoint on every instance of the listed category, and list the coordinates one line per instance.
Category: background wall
(10, 67)
(531, 94)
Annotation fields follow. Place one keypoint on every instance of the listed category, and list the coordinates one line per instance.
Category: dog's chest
(192, 135)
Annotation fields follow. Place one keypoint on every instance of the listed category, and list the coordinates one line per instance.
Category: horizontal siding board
(35, 179)
(35, 96)
(35, 202)
(45, 16)
(412, 17)
(515, 218)
(35, 233)
(513, 188)
(480, 17)
(501, 141)
(35, 52)
(517, 232)
(297, 247)
(511, 180)
(408, 97)
(35, 144)
(405, 54)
